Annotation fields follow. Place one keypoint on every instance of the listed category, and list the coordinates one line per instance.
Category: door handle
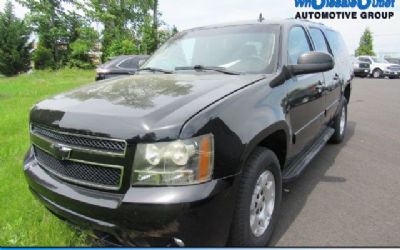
(336, 77)
(320, 88)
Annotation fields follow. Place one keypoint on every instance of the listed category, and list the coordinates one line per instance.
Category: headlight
(180, 162)
(102, 71)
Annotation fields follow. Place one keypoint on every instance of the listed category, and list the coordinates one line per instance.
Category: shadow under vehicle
(193, 149)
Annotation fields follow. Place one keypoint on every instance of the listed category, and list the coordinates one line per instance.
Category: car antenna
(261, 18)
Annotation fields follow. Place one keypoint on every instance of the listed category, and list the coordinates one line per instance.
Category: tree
(48, 20)
(85, 42)
(366, 44)
(155, 23)
(148, 37)
(122, 22)
(57, 28)
(14, 43)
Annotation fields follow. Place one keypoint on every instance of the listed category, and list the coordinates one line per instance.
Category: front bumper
(361, 72)
(392, 73)
(199, 215)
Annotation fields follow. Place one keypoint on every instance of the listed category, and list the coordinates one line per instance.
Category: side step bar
(298, 165)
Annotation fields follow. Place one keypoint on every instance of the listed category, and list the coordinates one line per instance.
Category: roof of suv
(289, 21)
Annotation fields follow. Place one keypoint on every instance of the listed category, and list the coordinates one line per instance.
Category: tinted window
(319, 40)
(298, 44)
(129, 64)
(336, 43)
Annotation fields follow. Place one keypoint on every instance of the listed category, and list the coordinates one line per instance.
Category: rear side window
(129, 64)
(297, 44)
(319, 40)
(336, 43)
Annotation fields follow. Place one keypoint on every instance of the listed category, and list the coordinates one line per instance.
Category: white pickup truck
(379, 67)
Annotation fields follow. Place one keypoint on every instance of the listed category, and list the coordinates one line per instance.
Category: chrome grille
(108, 145)
(105, 177)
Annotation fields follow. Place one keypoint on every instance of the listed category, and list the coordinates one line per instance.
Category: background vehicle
(194, 148)
(380, 67)
(120, 65)
(361, 69)
(393, 60)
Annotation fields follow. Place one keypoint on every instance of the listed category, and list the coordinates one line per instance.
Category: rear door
(335, 78)
(306, 105)
(331, 90)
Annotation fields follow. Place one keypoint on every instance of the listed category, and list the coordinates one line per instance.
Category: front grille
(364, 65)
(114, 146)
(80, 173)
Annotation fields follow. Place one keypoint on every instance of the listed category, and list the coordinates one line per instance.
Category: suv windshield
(379, 60)
(242, 49)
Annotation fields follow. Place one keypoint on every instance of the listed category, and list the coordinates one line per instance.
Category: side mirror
(312, 62)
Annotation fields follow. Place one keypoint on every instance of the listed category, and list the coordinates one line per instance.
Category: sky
(186, 14)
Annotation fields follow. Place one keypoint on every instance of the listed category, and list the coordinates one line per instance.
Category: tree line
(65, 33)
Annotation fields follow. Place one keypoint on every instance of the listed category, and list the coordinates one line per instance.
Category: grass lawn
(23, 221)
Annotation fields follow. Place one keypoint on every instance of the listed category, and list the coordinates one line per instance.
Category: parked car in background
(379, 67)
(120, 65)
(193, 149)
(361, 69)
(393, 60)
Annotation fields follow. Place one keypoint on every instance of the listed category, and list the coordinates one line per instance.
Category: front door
(305, 95)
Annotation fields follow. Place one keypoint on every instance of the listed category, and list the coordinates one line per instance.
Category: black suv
(194, 148)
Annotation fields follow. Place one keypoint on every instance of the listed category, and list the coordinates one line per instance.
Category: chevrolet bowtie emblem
(61, 152)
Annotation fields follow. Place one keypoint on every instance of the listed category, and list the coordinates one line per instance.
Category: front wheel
(377, 73)
(340, 123)
(258, 200)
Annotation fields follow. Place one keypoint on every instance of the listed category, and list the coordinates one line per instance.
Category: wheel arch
(275, 137)
(377, 68)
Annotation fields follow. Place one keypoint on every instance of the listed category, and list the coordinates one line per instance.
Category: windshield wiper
(156, 70)
(214, 68)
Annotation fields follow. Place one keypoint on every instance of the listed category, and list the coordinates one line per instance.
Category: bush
(121, 47)
(81, 47)
(43, 58)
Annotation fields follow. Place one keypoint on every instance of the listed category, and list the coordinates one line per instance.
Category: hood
(384, 65)
(146, 107)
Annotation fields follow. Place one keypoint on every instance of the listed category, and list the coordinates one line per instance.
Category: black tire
(261, 160)
(392, 77)
(339, 134)
(377, 73)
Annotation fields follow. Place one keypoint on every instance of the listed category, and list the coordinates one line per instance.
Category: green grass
(23, 220)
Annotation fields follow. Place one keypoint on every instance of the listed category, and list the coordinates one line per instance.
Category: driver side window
(297, 44)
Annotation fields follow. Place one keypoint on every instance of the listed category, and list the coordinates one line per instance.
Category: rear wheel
(377, 73)
(258, 200)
